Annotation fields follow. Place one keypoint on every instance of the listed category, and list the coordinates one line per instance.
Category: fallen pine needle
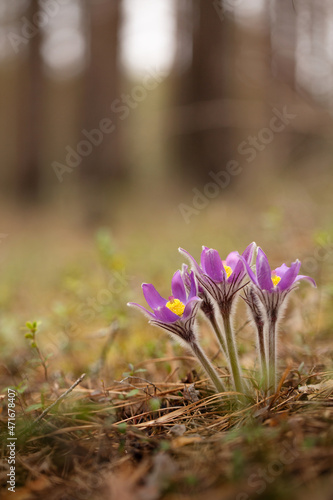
(60, 398)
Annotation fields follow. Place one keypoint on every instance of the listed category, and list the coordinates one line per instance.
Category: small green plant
(133, 371)
(32, 328)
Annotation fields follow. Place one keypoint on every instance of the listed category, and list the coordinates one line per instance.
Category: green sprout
(133, 371)
(31, 335)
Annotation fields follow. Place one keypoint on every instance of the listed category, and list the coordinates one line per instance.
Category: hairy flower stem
(232, 352)
(208, 367)
(272, 355)
(262, 352)
(218, 332)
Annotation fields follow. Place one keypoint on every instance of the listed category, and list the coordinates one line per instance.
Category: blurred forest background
(120, 114)
(223, 65)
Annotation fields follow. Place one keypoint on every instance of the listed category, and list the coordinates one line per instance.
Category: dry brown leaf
(181, 441)
(39, 484)
(20, 494)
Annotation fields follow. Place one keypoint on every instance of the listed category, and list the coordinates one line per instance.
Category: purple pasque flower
(221, 279)
(206, 304)
(177, 313)
(272, 286)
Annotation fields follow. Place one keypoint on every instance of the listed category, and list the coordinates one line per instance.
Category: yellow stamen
(275, 279)
(228, 270)
(175, 306)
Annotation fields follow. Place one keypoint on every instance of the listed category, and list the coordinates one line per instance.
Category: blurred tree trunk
(103, 18)
(29, 119)
(204, 146)
(283, 41)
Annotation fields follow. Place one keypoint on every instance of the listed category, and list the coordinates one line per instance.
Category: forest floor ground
(144, 423)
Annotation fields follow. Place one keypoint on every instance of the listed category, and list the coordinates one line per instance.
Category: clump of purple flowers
(266, 297)
(177, 315)
(212, 288)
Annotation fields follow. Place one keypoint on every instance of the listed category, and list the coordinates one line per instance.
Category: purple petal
(186, 277)
(248, 252)
(308, 278)
(194, 263)
(164, 314)
(152, 296)
(232, 259)
(194, 287)
(191, 307)
(251, 274)
(264, 274)
(178, 287)
(143, 309)
(281, 271)
(289, 276)
(238, 272)
(211, 264)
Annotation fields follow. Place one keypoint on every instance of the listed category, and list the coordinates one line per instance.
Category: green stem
(218, 332)
(208, 367)
(262, 353)
(41, 357)
(232, 353)
(272, 356)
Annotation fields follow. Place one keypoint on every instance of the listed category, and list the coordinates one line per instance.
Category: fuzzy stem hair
(232, 352)
(207, 365)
